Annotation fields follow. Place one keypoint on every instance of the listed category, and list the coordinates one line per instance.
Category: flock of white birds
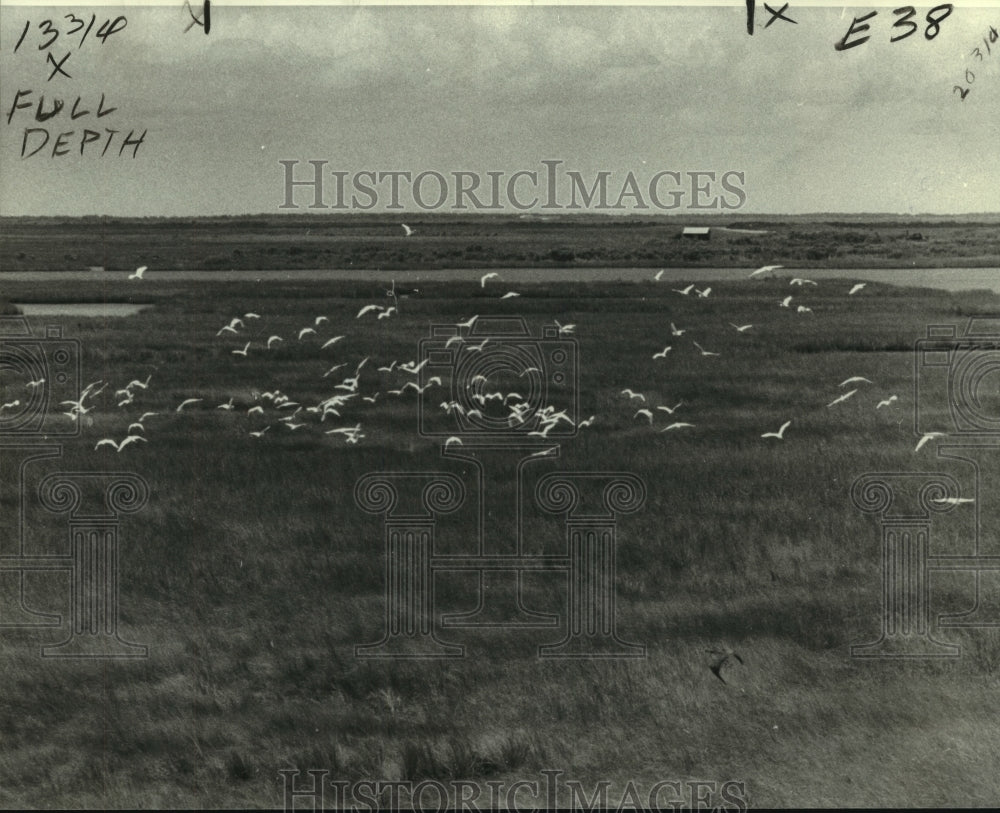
(270, 410)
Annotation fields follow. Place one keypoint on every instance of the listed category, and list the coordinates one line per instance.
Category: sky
(796, 125)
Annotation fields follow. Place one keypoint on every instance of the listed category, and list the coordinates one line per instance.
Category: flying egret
(703, 294)
(242, 352)
(856, 288)
(137, 274)
(485, 277)
(854, 379)
(953, 500)
(704, 352)
(676, 425)
(272, 340)
(31, 385)
(334, 368)
(658, 275)
(328, 342)
(645, 413)
(369, 309)
(670, 410)
(260, 432)
(842, 398)
(251, 315)
(186, 402)
(588, 422)
(453, 440)
(387, 312)
(786, 302)
(674, 331)
(741, 328)
(510, 295)
(926, 437)
(564, 329)
(228, 406)
(663, 353)
(320, 320)
(800, 281)
(306, 330)
(632, 394)
(407, 230)
(887, 402)
(803, 309)
(119, 446)
(468, 323)
(684, 291)
(765, 270)
(780, 433)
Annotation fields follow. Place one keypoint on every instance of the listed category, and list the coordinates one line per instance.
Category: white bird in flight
(856, 288)
(765, 269)
(704, 352)
(887, 402)
(369, 309)
(407, 229)
(842, 398)
(703, 294)
(675, 331)
(780, 433)
(804, 309)
(242, 352)
(785, 302)
(663, 353)
(633, 394)
(510, 295)
(670, 410)
(854, 379)
(676, 425)
(645, 413)
(564, 329)
(137, 274)
(272, 340)
(741, 328)
(926, 437)
(119, 446)
(186, 402)
(484, 277)
(306, 330)
(658, 275)
(684, 291)
(800, 281)
(328, 342)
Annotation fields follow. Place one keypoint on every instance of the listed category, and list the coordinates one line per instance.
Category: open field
(252, 574)
(473, 241)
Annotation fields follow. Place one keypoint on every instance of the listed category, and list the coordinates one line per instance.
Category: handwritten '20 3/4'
(991, 37)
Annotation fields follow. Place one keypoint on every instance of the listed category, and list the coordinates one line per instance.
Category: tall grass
(252, 574)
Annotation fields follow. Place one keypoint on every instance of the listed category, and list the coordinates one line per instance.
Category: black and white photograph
(522, 406)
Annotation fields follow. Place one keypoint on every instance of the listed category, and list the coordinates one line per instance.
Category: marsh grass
(252, 574)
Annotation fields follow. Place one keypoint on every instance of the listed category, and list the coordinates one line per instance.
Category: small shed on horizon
(696, 232)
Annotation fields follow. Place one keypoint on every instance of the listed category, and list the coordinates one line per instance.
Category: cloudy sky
(874, 128)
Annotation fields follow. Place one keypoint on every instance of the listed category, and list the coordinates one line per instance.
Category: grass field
(362, 241)
(252, 574)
